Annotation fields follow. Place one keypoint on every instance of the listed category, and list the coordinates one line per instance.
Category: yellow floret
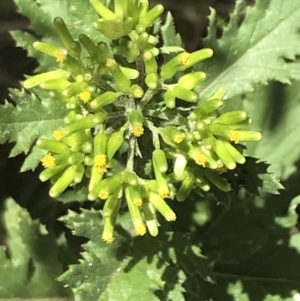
(85, 96)
(48, 161)
(137, 130)
(60, 55)
(200, 159)
(100, 160)
(234, 136)
(58, 134)
(140, 229)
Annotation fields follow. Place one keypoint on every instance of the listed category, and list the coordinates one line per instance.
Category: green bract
(126, 111)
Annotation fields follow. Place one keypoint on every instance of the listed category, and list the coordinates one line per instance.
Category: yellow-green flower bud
(115, 141)
(35, 80)
(110, 205)
(130, 73)
(87, 147)
(220, 130)
(71, 116)
(159, 160)
(218, 181)
(149, 18)
(59, 53)
(63, 32)
(202, 184)
(169, 99)
(59, 159)
(50, 172)
(171, 67)
(109, 185)
(75, 158)
(232, 117)
(121, 80)
(240, 124)
(150, 185)
(109, 224)
(105, 188)
(135, 195)
(112, 29)
(151, 81)
(78, 137)
(75, 88)
(76, 66)
(162, 184)
(234, 153)
(143, 8)
(63, 182)
(88, 160)
(100, 144)
(103, 100)
(87, 122)
(202, 157)
(162, 206)
(135, 214)
(75, 48)
(55, 84)
(52, 146)
(150, 62)
(219, 94)
(244, 136)
(132, 55)
(103, 11)
(197, 57)
(95, 179)
(134, 36)
(179, 166)
(223, 154)
(172, 135)
(103, 52)
(136, 91)
(185, 94)
(120, 8)
(150, 218)
(130, 177)
(191, 80)
(208, 107)
(186, 187)
(136, 119)
(89, 45)
(79, 173)
(142, 41)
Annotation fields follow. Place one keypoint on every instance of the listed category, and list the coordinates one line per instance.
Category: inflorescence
(136, 130)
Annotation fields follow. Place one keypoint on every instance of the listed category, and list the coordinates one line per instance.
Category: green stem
(131, 151)
(147, 97)
(155, 136)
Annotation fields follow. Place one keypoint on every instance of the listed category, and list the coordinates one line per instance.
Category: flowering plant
(141, 132)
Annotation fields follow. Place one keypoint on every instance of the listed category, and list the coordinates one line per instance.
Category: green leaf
(254, 256)
(83, 15)
(40, 18)
(26, 40)
(31, 119)
(255, 48)
(171, 49)
(169, 35)
(77, 194)
(133, 268)
(30, 263)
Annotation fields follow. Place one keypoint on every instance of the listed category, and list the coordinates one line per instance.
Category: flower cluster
(135, 130)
